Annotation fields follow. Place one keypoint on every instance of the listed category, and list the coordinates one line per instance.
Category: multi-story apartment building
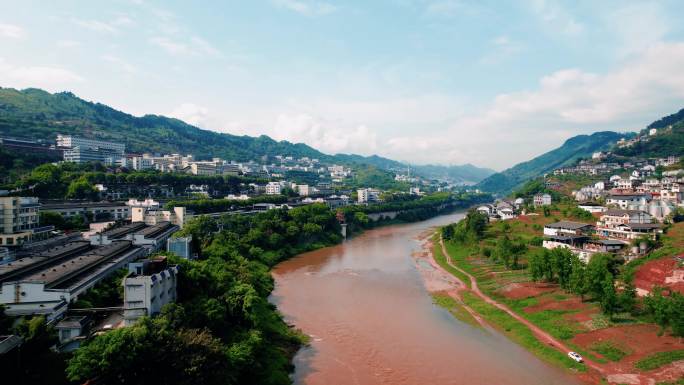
(203, 168)
(70, 141)
(150, 285)
(142, 163)
(88, 154)
(273, 188)
(541, 200)
(82, 150)
(20, 221)
(366, 195)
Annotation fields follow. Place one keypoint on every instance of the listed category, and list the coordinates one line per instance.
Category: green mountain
(466, 173)
(668, 139)
(39, 115)
(36, 114)
(577, 147)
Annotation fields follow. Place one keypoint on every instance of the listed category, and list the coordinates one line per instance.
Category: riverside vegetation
(508, 254)
(222, 329)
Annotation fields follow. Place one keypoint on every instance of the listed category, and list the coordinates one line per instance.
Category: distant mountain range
(577, 147)
(668, 140)
(37, 114)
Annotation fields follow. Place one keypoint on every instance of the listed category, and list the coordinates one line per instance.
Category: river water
(372, 320)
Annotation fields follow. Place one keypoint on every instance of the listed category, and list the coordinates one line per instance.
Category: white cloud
(11, 31)
(191, 113)
(95, 25)
(502, 47)
(450, 8)
(50, 78)
(170, 46)
(638, 26)
(120, 64)
(321, 135)
(111, 27)
(68, 43)
(307, 7)
(556, 17)
(517, 126)
(194, 47)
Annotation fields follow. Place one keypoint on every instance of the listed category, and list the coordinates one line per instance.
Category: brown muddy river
(372, 320)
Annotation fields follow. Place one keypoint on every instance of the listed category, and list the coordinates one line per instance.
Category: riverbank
(371, 319)
(521, 325)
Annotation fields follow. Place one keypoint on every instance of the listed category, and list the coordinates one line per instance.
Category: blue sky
(443, 81)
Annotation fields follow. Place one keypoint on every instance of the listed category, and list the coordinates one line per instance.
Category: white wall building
(20, 221)
(70, 141)
(273, 188)
(150, 286)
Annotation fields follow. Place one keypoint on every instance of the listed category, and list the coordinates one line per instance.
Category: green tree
(151, 352)
(81, 189)
(561, 259)
(577, 281)
(608, 300)
(598, 267)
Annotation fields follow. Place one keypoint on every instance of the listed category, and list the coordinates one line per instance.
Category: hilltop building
(541, 200)
(82, 150)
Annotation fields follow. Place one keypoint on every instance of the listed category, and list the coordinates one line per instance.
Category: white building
(627, 201)
(273, 188)
(203, 168)
(82, 150)
(140, 163)
(149, 286)
(304, 190)
(567, 228)
(20, 221)
(47, 282)
(366, 195)
(70, 141)
(542, 200)
(153, 216)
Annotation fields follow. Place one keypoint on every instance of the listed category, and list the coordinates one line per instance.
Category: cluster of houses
(639, 168)
(616, 231)
(504, 209)
(658, 197)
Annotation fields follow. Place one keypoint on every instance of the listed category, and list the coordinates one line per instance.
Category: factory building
(47, 282)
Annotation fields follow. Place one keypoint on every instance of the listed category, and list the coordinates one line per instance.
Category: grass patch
(441, 260)
(519, 333)
(608, 350)
(455, 308)
(659, 359)
(553, 322)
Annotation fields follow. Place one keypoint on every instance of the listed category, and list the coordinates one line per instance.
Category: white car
(575, 357)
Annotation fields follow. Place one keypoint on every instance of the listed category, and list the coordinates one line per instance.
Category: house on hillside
(568, 228)
(541, 200)
(631, 231)
(592, 207)
(628, 201)
(614, 217)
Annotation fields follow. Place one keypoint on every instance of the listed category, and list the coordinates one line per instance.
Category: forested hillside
(37, 114)
(577, 147)
(668, 140)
